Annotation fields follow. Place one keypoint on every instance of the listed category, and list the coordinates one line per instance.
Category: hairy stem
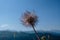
(36, 33)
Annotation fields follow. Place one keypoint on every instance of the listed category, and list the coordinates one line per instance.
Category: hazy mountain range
(28, 35)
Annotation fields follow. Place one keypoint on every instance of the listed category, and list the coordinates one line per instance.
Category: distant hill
(29, 35)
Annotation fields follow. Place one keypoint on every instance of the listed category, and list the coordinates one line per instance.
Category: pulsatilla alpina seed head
(29, 18)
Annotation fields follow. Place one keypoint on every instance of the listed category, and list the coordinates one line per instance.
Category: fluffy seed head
(29, 19)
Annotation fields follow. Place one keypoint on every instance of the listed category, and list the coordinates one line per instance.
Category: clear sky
(48, 12)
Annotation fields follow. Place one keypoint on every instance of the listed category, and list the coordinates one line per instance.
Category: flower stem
(36, 33)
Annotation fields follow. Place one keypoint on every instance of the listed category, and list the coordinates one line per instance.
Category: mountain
(29, 35)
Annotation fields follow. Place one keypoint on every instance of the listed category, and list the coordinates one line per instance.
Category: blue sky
(48, 12)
